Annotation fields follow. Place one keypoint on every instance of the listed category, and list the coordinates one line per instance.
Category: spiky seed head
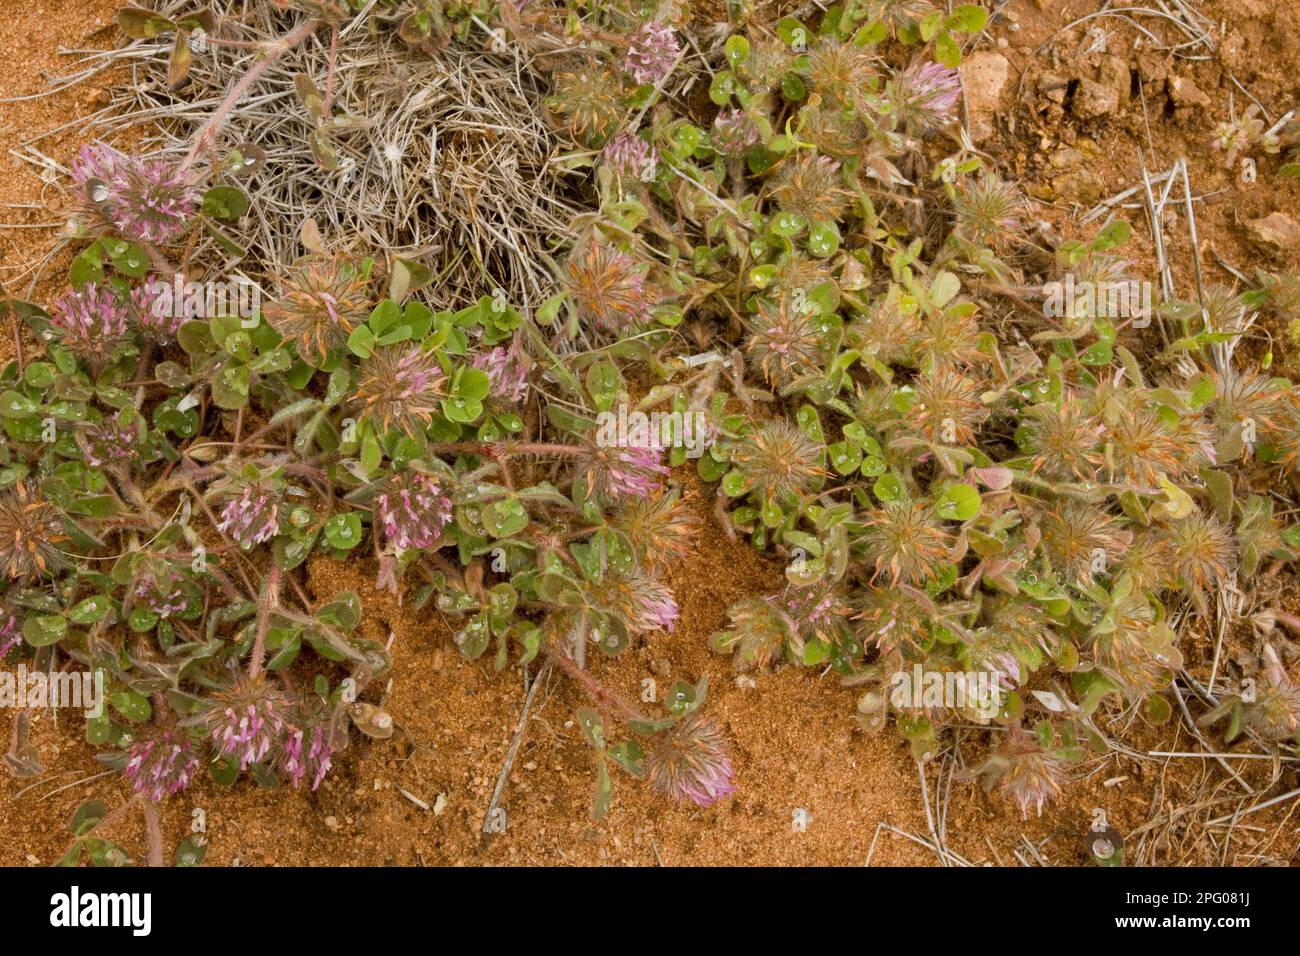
(841, 71)
(947, 408)
(609, 288)
(889, 331)
(811, 187)
(400, 388)
(1023, 771)
(590, 100)
(31, 533)
(756, 636)
(691, 761)
(1082, 541)
(1065, 440)
(949, 337)
(905, 541)
(990, 213)
(834, 131)
(785, 342)
(779, 461)
(1145, 445)
(1201, 555)
(1138, 653)
(898, 13)
(322, 300)
(662, 530)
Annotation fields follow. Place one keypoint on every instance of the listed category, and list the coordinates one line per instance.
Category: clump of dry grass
(445, 157)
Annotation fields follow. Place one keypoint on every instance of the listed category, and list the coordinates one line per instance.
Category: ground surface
(797, 744)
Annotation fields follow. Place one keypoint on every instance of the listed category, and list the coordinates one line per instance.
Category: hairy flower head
(322, 300)
(31, 532)
(400, 388)
(412, 511)
(92, 324)
(778, 460)
(161, 763)
(608, 287)
(652, 50)
(690, 761)
(144, 201)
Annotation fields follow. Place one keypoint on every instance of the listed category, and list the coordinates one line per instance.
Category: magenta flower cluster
(144, 201)
(655, 606)
(252, 517)
(153, 310)
(161, 765)
(733, 132)
(627, 471)
(91, 322)
(927, 94)
(314, 763)
(248, 726)
(508, 381)
(652, 51)
(691, 762)
(629, 156)
(412, 510)
(162, 593)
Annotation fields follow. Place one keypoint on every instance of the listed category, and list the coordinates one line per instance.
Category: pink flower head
(652, 51)
(733, 132)
(145, 201)
(314, 762)
(690, 761)
(412, 511)
(92, 323)
(654, 607)
(246, 720)
(252, 517)
(161, 765)
(162, 590)
(154, 310)
(629, 156)
(926, 95)
(627, 470)
(508, 380)
(111, 443)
